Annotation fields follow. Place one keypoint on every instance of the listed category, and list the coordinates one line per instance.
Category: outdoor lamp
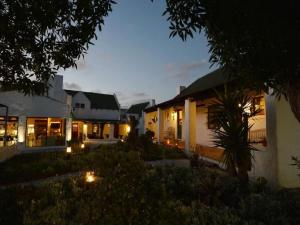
(82, 146)
(69, 150)
(90, 177)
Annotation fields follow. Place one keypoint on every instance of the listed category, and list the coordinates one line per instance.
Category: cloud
(72, 86)
(81, 64)
(126, 99)
(104, 57)
(184, 70)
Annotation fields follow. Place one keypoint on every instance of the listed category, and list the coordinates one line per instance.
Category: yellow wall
(123, 130)
(288, 144)
(193, 124)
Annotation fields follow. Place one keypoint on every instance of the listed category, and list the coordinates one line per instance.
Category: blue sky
(134, 57)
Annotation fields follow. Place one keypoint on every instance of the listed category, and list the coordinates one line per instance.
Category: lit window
(258, 103)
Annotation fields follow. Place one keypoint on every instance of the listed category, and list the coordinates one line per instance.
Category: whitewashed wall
(53, 105)
(88, 113)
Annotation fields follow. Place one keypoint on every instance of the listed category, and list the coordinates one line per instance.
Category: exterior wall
(88, 113)
(54, 105)
(169, 123)
(203, 134)
(288, 144)
(150, 124)
(140, 125)
(123, 130)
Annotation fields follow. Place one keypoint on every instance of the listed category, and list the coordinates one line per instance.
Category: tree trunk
(293, 93)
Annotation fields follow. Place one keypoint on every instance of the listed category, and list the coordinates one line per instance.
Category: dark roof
(204, 84)
(99, 101)
(138, 108)
(71, 92)
(208, 81)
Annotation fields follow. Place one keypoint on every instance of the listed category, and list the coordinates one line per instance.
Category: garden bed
(128, 191)
(35, 166)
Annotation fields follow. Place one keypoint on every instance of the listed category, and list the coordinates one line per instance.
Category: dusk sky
(134, 57)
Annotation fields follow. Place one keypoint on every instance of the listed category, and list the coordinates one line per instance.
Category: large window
(12, 130)
(45, 132)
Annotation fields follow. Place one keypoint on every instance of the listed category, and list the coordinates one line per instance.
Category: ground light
(69, 150)
(82, 146)
(90, 177)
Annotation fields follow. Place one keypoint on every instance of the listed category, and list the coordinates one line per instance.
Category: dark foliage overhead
(38, 37)
(254, 40)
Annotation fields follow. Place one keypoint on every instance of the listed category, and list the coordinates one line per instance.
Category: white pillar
(68, 129)
(21, 132)
(85, 131)
(187, 125)
(159, 125)
(111, 131)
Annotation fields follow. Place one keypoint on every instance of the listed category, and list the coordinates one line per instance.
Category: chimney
(152, 103)
(180, 89)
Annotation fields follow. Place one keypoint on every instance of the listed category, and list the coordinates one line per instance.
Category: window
(211, 118)
(79, 105)
(45, 132)
(12, 130)
(258, 103)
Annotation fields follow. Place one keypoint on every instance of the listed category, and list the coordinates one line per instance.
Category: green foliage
(128, 191)
(231, 113)
(38, 37)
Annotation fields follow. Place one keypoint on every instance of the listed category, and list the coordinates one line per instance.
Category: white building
(36, 121)
(185, 121)
(137, 111)
(95, 116)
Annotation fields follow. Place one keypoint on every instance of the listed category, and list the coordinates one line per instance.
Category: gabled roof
(208, 81)
(138, 108)
(98, 101)
(203, 85)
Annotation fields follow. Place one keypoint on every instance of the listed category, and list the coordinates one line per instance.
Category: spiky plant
(231, 111)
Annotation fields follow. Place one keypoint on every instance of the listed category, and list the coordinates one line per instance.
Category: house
(36, 122)
(48, 122)
(94, 115)
(137, 111)
(185, 121)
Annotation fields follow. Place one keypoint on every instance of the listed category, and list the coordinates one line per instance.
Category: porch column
(111, 131)
(21, 132)
(189, 124)
(159, 125)
(68, 129)
(85, 131)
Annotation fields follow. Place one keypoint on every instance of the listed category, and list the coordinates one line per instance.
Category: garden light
(69, 150)
(90, 177)
(82, 146)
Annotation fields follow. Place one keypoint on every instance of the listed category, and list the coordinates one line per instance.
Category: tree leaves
(38, 37)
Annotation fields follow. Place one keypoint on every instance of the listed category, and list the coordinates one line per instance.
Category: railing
(258, 136)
